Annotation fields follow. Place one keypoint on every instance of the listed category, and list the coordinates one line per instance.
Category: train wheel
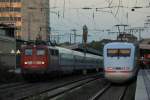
(97, 69)
(84, 72)
(26, 77)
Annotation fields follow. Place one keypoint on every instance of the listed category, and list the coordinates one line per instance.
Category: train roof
(69, 51)
(119, 45)
(62, 50)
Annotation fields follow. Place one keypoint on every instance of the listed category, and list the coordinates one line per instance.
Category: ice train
(120, 61)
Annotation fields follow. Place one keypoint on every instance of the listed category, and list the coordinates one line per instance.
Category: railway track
(123, 94)
(110, 92)
(21, 91)
(99, 93)
(51, 94)
(4, 86)
(62, 89)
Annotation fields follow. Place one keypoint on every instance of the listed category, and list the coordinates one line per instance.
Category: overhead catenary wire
(114, 10)
(77, 11)
(124, 13)
(110, 6)
(117, 9)
(64, 8)
(109, 2)
(55, 3)
(63, 22)
(135, 3)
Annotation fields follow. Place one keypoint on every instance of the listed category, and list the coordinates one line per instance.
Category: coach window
(51, 51)
(54, 52)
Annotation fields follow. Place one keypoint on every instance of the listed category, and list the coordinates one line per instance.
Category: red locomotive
(34, 57)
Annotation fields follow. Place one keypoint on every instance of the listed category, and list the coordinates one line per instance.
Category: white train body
(71, 60)
(120, 61)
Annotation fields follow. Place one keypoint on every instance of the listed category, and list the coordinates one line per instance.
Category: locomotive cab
(34, 58)
(120, 61)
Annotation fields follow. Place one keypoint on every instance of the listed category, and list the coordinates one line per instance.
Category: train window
(54, 52)
(40, 52)
(28, 52)
(118, 52)
(112, 52)
(124, 52)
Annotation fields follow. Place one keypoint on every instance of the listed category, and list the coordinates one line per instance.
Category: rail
(99, 93)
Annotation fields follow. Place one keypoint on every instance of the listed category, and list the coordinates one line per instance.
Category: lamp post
(84, 38)
(85, 34)
(74, 33)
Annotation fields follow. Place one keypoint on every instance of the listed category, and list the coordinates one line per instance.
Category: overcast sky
(66, 15)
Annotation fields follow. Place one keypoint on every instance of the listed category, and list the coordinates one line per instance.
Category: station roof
(145, 44)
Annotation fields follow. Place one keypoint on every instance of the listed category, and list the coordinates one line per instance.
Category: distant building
(30, 17)
(145, 44)
(145, 41)
(10, 14)
(35, 19)
(7, 30)
(127, 37)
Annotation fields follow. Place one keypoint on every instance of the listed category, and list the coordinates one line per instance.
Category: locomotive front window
(118, 52)
(28, 52)
(40, 52)
(112, 52)
(124, 52)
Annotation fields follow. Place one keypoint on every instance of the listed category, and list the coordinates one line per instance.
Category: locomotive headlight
(109, 68)
(25, 63)
(28, 62)
(43, 62)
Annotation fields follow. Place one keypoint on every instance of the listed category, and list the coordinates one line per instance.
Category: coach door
(54, 58)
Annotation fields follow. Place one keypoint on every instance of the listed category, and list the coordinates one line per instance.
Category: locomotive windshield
(118, 52)
(28, 52)
(40, 52)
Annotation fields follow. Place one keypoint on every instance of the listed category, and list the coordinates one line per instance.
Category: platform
(143, 85)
